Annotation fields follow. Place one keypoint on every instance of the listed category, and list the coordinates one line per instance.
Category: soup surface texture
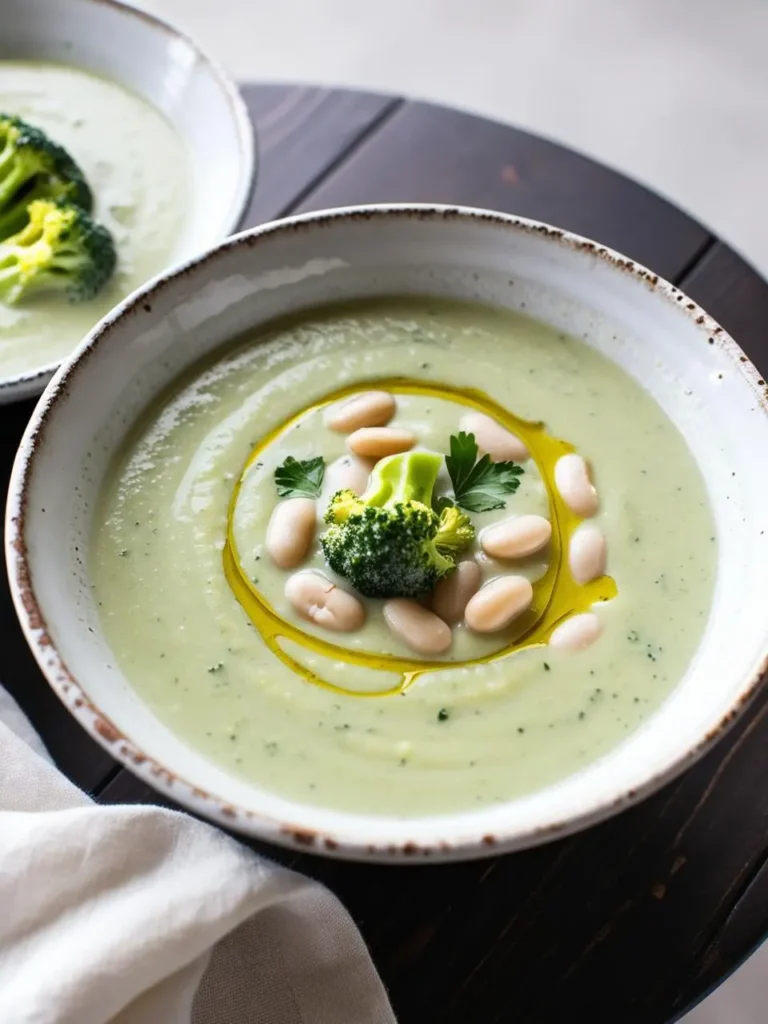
(460, 736)
(136, 165)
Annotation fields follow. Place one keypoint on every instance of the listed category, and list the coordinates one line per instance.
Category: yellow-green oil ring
(556, 596)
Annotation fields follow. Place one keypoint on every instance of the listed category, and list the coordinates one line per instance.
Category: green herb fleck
(443, 715)
(271, 748)
(479, 486)
(296, 479)
(216, 668)
(546, 667)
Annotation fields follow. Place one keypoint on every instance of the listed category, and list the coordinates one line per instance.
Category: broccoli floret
(456, 531)
(390, 542)
(60, 248)
(32, 166)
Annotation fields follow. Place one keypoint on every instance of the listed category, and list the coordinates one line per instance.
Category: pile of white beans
(460, 597)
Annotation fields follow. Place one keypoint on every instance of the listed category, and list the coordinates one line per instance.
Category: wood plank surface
(629, 921)
(561, 927)
(736, 296)
(432, 154)
(633, 919)
(302, 133)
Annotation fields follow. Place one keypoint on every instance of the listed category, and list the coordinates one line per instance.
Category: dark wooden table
(633, 920)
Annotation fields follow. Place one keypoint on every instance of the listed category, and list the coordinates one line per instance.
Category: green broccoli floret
(456, 531)
(60, 248)
(390, 542)
(32, 166)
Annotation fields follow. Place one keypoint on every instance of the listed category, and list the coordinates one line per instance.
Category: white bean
(417, 627)
(376, 442)
(368, 409)
(348, 473)
(516, 537)
(291, 531)
(498, 603)
(575, 487)
(318, 600)
(588, 553)
(450, 596)
(493, 439)
(577, 632)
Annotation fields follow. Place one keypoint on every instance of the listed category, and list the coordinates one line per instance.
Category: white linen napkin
(139, 915)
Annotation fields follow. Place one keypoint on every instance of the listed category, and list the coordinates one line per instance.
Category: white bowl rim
(26, 382)
(344, 845)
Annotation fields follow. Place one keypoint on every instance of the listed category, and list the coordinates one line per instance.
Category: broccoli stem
(407, 477)
(6, 156)
(10, 273)
(12, 219)
(14, 258)
(12, 182)
(9, 282)
(15, 216)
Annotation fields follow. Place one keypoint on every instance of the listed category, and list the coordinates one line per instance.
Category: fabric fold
(141, 915)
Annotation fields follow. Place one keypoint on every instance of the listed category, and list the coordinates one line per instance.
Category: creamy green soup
(462, 735)
(136, 165)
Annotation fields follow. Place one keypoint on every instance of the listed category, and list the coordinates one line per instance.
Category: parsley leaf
(479, 486)
(296, 479)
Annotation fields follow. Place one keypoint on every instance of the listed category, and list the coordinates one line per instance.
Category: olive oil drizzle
(556, 596)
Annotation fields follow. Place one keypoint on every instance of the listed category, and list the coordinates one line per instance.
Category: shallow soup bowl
(668, 344)
(156, 64)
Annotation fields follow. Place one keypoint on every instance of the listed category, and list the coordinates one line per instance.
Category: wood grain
(736, 296)
(431, 154)
(632, 920)
(627, 922)
(302, 133)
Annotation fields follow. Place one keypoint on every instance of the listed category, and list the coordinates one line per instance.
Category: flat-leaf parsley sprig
(479, 485)
(296, 479)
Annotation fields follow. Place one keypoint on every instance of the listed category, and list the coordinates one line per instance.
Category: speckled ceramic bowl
(694, 370)
(160, 64)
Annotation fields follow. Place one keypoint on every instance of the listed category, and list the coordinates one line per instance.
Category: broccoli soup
(136, 172)
(406, 556)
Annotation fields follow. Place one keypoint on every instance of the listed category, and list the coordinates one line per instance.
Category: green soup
(136, 165)
(462, 734)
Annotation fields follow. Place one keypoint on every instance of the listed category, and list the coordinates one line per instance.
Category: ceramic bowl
(157, 62)
(664, 340)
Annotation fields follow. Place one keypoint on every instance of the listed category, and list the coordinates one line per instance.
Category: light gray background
(672, 92)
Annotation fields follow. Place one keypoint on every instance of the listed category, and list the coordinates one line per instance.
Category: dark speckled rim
(29, 385)
(347, 844)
